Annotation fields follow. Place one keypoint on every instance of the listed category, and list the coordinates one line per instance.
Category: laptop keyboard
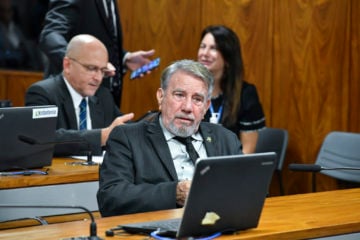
(169, 225)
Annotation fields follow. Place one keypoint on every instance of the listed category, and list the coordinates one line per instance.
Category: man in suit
(100, 18)
(84, 66)
(146, 167)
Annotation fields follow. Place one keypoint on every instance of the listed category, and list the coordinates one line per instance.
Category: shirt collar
(75, 96)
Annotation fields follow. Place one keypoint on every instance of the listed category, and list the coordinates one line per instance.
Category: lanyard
(215, 116)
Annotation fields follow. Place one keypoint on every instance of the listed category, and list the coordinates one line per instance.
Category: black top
(250, 116)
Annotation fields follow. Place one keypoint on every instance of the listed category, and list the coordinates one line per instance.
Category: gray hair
(190, 67)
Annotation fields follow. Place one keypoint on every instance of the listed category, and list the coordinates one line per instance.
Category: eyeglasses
(91, 69)
(180, 96)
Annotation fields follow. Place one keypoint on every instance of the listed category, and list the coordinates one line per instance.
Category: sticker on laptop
(210, 218)
(45, 112)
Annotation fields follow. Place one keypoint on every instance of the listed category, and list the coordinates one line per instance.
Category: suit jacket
(53, 91)
(67, 18)
(138, 173)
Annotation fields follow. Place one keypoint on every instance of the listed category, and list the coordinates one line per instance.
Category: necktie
(189, 147)
(114, 52)
(82, 115)
(110, 17)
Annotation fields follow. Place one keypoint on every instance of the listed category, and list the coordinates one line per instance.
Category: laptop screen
(36, 124)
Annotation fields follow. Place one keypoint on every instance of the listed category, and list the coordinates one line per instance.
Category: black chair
(148, 115)
(339, 157)
(274, 140)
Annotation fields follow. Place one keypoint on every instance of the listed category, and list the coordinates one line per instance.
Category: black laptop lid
(36, 124)
(227, 194)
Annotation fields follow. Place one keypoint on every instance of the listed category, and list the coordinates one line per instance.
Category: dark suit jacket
(103, 111)
(138, 173)
(67, 18)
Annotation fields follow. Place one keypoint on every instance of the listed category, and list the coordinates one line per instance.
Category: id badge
(214, 118)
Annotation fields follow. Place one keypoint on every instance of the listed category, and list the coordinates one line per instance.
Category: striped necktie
(187, 141)
(82, 115)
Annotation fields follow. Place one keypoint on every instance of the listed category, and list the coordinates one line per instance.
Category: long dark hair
(228, 45)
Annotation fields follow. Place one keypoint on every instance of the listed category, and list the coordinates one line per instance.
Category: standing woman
(235, 103)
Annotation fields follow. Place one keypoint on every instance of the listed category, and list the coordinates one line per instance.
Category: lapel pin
(208, 139)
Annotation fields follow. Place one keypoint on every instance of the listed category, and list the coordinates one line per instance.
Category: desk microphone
(315, 168)
(93, 228)
(33, 141)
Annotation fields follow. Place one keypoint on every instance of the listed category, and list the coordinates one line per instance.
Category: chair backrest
(340, 149)
(273, 140)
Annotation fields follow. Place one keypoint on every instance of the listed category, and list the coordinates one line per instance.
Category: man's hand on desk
(182, 191)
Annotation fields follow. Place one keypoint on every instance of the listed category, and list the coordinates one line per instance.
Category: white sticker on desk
(45, 112)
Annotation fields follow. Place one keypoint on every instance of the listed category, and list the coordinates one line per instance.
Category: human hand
(134, 60)
(121, 120)
(182, 191)
(110, 72)
(105, 132)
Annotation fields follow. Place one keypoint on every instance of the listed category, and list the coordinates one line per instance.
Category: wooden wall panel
(13, 85)
(170, 27)
(3, 86)
(354, 96)
(312, 60)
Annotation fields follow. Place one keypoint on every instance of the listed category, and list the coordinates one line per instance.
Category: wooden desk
(65, 184)
(61, 171)
(300, 216)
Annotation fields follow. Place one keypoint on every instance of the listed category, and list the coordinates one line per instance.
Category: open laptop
(227, 193)
(26, 136)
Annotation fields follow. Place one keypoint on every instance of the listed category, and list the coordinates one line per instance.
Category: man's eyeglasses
(91, 69)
